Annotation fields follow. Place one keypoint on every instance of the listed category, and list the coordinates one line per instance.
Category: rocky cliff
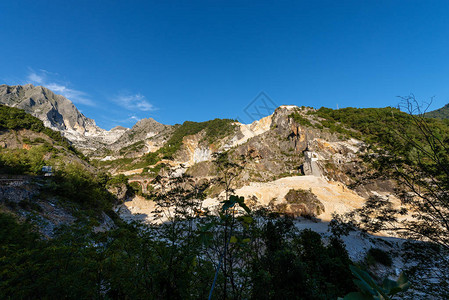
(59, 113)
(55, 111)
(148, 130)
(273, 147)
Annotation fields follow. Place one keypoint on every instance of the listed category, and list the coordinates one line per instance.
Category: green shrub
(298, 118)
(215, 129)
(379, 256)
(119, 179)
(379, 126)
(15, 119)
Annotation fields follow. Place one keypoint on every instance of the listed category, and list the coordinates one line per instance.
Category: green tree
(418, 158)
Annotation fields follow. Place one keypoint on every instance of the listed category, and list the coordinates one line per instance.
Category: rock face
(16, 189)
(194, 151)
(21, 194)
(310, 166)
(273, 147)
(303, 203)
(248, 131)
(120, 191)
(54, 110)
(148, 130)
(59, 113)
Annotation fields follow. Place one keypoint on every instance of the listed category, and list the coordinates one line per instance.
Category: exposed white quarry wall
(289, 107)
(100, 135)
(250, 130)
(201, 154)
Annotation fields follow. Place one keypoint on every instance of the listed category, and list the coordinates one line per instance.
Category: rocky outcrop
(154, 133)
(55, 111)
(59, 113)
(195, 150)
(303, 203)
(248, 131)
(16, 189)
(310, 166)
(280, 116)
(20, 195)
(120, 191)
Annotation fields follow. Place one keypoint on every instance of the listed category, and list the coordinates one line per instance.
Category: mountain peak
(146, 122)
(56, 111)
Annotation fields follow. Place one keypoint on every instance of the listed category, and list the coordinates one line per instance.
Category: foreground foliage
(413, 150)
(263, 256)
(371, 290)
(132, 262)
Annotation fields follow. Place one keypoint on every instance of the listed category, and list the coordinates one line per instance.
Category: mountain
(144, 129)
(441, 113)
(325, 145)
(273, 148)
(55, 111)
(295, 169)
(59, 113)
(295, 147)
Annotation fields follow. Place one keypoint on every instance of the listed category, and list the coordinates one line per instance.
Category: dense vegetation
(441, 113)
(214, 129)
(369, 124)
(14, 118)
(88, 191)
(74, 183)
(378, 126)
(71, 183)
(132, 263)
(298, 118)
(22, 161)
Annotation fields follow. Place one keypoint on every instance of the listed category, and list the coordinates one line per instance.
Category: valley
(300, 167)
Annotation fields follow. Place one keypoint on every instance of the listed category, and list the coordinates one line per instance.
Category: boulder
(303, 203)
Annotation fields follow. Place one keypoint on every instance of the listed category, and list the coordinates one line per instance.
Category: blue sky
(120, 61)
